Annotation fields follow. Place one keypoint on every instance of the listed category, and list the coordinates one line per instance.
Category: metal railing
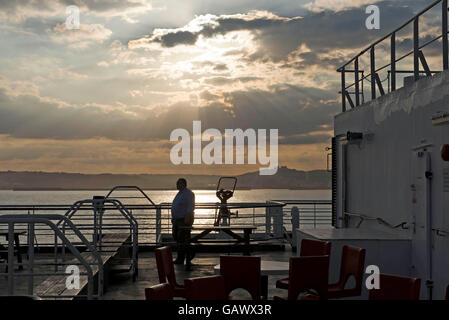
(116, 218)
(312, 213)
(28, 223)
(153, 222)
(418, 58)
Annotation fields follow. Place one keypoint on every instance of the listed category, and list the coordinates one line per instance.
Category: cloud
(277, 36)
(337, 5)
(304, 139)
(87, 35)
(220, 81)
(21, 11)
(292, 109)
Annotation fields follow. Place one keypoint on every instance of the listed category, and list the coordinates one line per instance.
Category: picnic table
(230, 230)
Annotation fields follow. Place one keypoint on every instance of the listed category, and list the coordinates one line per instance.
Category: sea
(9, 197)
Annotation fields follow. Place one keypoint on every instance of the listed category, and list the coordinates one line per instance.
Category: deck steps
(56, 285)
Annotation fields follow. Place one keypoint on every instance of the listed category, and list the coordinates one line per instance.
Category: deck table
(230, 230)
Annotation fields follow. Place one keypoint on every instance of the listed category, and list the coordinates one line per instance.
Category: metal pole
(295, 226)
(444, 38)
(10, 258)
(343, 90)
(393, 62)
(357, 89)
(30, 257)
(373, 73)
(158, 223)
(416, 48)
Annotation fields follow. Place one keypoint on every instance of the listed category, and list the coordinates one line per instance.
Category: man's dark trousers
(182, 237)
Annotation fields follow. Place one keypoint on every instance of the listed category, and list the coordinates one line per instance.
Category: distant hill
(284, 179)
(287, 178)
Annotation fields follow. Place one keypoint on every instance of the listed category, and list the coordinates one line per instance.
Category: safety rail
(418, 57)
(100, 206)
(155, 221)
(362, 218)
(49, 220)
(129, 188)
(311, 213)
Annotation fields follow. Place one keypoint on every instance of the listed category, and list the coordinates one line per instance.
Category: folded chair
(163, 291)
(205, 288)
(166, 270)
(241, 272)
(396, 288)
(308, 248)
(308, 276)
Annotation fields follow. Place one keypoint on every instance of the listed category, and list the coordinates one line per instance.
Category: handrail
(164, 205)
(130, 188)
(362, 217)
(47, 220)
(389, 35)
(98, 229)
(153, 222)
(418, 58)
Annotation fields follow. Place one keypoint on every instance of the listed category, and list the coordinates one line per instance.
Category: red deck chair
(307, 275)
(162, 291)
(352, 264)
(241, 272)
(309, 248)
(205, 288)
(166, 270)
(396, 288)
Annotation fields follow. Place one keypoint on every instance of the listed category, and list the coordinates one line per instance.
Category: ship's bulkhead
(389, 176)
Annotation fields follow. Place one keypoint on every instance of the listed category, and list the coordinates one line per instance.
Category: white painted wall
(381, 170)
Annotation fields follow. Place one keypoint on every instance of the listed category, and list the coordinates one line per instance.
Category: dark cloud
(292, 110)
(278, 37)
(305, 139)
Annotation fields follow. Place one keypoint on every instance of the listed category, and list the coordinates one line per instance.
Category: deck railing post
(356, 78)
(373, 73)
(158, 223)
(30, 257)
(10, 258)
(295, 225)
(393, 62)
(278, 221)
(444, 36)
(343, 89)
(416, 48)
(267, 220)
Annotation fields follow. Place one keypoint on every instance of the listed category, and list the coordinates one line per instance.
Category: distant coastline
(285, 178)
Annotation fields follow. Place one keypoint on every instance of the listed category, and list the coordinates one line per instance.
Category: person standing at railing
(182, 211)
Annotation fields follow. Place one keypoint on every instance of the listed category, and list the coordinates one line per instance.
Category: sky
(105, 98)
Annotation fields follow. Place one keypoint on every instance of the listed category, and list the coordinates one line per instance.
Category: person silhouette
(183, 212)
